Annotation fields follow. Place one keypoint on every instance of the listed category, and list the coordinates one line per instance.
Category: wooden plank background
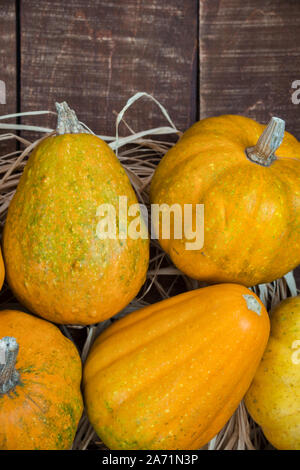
(96, 54)
(197, 57)
(249, 57)
(8, 62)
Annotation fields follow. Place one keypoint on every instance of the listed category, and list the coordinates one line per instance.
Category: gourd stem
(9, 376)
(270, 140)
(67, 121)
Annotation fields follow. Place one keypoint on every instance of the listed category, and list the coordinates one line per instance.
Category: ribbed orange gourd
(169, 376)
(57, 263)
(2, 270)
(273, 400)
(40, 374)
(251, 198)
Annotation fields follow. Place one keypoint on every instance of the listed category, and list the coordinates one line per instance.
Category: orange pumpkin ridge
(2, 270)
(170, 375)
(251, 205)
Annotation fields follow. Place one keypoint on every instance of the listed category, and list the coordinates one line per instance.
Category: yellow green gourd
(56, 264)
(273, 399)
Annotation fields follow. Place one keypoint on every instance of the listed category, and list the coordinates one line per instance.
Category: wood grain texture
(8, 64)
(249, 57)
(95, 55)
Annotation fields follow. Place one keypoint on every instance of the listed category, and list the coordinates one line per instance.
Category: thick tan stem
(270, 140)
(67, 122)
(9, 376)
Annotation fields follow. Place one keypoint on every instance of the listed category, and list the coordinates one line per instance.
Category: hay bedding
(139, 153)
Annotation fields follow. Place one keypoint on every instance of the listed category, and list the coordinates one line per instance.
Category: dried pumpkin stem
(9, 376)
(270, 140)
(67, 121)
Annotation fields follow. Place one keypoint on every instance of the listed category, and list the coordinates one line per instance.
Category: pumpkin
(57, 264)
(2, 270)
(251, 198)
(40, 373)
(170, 375)
(273, 399)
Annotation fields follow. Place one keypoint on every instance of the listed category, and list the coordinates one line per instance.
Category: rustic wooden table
(197, 57)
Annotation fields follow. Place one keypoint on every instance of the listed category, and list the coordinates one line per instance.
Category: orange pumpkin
(40, 399)
(56, 263)
(2, 270)
(169, 376)
(251, 198)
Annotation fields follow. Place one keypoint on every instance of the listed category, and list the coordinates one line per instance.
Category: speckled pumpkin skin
(43, 411)
(55, 263)
(2, 270)
(273, 399)
(169, 376)
(251, 212)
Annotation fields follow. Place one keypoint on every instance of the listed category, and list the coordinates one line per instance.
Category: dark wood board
(8, 65)
(249, 58)
(95, 55)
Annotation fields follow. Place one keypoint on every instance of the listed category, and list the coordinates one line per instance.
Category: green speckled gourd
(56, 264)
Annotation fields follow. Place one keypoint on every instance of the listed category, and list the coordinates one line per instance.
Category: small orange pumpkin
(40, 399)
(169, 376)
(251, 198)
